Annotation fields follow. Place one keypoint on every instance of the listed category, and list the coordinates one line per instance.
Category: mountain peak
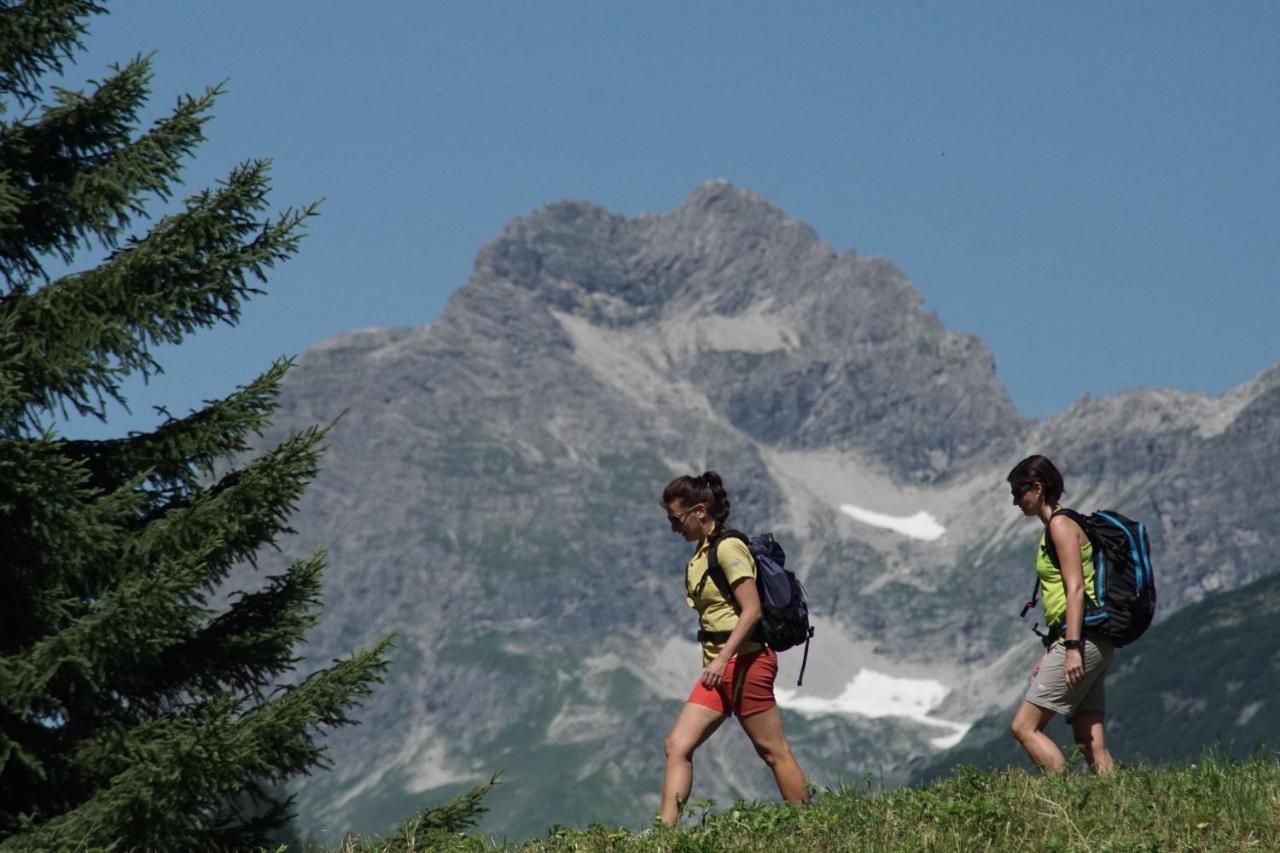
(728, 213)
(863, 365)
(723, 249)
(720, 196)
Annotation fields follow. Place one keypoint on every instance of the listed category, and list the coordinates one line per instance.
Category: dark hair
(1038, 469)
(706, 489)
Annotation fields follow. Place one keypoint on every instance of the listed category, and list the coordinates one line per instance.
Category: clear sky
(1094, 180)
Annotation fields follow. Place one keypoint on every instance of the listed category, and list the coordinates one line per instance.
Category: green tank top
(1053, 596)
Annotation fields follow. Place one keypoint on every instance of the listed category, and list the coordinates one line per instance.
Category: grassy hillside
(1205, 678)
(591, 726)
(1217, 803)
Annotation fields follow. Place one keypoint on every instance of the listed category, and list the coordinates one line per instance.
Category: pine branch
(153, 598)
(321, 701)
(429, 828)
(35, 38)
(146, 614)
(58, 535)
(242, 649)
(182, 453)
(72, 341)
(74, 130)
(79, 175)
(246, 509)
(180, 771)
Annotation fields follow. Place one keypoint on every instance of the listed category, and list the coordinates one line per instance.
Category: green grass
(1216, 803)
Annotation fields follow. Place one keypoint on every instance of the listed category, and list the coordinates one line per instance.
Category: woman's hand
(1073, 668)
(713, 673)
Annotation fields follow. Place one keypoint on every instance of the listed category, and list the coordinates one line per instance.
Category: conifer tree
(137, 708)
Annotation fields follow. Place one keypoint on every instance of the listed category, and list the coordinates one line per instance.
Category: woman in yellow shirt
(737, 669)
(1070, 678)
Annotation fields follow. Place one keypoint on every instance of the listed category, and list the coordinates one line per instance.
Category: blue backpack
(1124, 584)
(784, 615)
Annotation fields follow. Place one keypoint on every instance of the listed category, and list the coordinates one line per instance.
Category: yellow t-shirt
(715, 613)
(1053, 595)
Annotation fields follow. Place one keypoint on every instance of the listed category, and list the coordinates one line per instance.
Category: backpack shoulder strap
(729, 533)
(1049, 547)
(714, 571)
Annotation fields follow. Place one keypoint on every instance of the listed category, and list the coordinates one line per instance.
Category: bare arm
(1066, 541)
(748, 599)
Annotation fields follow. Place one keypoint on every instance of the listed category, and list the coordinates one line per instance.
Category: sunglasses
(1019, 491)
(677, 520)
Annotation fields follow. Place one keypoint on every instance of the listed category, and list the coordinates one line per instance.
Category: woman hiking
(1070, 676)
(737, 672)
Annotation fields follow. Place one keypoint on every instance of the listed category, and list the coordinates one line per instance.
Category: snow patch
(875, 694)
(1246, 714)
(815, 480)
(754, 333)
(922, 525)
(634, 366)
(426, 760)
(577, 724)
(432, 770)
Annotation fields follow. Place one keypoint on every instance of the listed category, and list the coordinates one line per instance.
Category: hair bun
(705, 488)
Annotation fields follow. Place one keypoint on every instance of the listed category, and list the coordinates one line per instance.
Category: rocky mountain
(491, 495)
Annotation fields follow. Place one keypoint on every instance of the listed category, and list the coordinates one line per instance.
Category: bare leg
(1087, 726)
(765, 731)
(693, 726)
(1028, 727)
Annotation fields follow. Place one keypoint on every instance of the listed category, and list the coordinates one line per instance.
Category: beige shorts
(1049, 690)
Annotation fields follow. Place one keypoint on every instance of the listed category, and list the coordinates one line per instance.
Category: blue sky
(1092, 182)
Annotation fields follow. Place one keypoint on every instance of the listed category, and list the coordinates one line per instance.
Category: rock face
(491, 495)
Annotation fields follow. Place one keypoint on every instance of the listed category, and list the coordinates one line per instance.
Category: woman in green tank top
(1070, 678)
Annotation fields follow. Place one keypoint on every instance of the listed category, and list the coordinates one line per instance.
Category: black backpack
(1124, 585)
(784, 615)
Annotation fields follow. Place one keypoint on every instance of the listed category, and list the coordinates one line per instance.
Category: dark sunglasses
(677, 520)
(1019, 491)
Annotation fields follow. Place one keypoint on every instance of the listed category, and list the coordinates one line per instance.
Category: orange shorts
(747, 686)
